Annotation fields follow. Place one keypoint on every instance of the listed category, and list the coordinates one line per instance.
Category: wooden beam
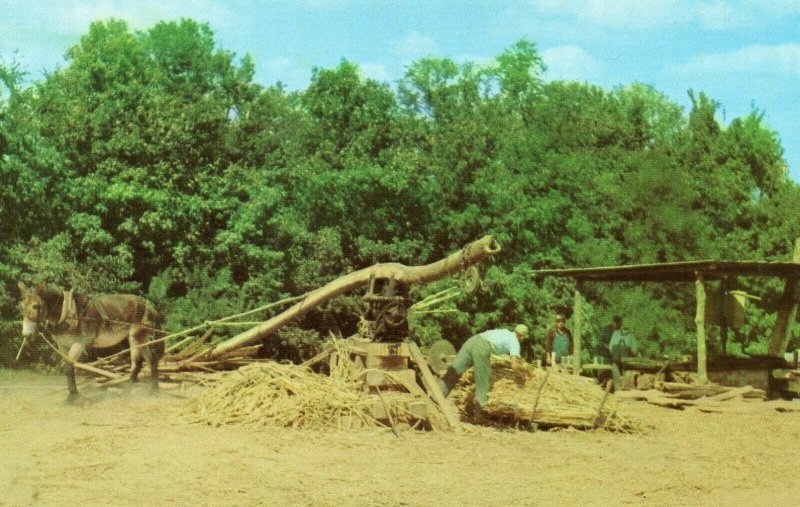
(448, 409)
(787, 310)
(733, 393)
(700, 322)
(319, 357)
(576, 346)
(725, 287)
(98, 371)
(472, 253)
(383, 378)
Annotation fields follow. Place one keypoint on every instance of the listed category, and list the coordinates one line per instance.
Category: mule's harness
(69, 310)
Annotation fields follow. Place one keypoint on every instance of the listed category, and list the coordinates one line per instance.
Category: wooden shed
(698, 272)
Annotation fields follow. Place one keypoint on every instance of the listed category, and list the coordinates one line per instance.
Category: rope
(54, 347)
(206, 325)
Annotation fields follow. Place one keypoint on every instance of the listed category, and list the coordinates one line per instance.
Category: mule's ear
(22, 287)
(39, 288)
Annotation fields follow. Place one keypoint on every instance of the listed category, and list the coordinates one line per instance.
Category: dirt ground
(130, 448)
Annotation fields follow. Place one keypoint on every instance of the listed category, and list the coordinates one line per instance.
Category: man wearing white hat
(476, 352)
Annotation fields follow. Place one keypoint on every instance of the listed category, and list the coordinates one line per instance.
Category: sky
(744, 54)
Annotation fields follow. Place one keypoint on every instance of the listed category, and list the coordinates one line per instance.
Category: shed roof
(677, 271)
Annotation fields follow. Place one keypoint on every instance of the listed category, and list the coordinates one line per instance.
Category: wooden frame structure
(699, 272)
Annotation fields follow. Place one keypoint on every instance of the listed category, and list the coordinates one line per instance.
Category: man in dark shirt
(558, 342)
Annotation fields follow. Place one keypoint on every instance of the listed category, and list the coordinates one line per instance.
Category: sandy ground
(129, 448)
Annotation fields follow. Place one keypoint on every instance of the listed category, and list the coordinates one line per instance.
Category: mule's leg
(69, 370)
(152, 362)
(74, 354)
(136, 358)
(138, 336)
(151, 358)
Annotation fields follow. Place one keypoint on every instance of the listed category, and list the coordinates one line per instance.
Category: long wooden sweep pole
(472, 253)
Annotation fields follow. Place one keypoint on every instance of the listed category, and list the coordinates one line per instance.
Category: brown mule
(76, 322)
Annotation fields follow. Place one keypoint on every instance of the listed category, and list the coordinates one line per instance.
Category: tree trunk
(474, 252)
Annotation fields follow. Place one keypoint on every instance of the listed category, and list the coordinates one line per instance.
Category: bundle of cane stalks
(547, 398)
(274, 394)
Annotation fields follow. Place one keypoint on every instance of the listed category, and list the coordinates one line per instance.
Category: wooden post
(787, 311)
(539, 393)
(449, 410)
(700, 322)
(723, 328)
(576, 347)
(599, 416)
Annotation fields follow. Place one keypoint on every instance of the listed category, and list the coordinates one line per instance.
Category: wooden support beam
(700, 322)
(98, 371)
(730, 394)
(385, 378)
(787, 311)
(539, 393)
(725, 287)
(598, 418)
(448, 409)
(578, 324)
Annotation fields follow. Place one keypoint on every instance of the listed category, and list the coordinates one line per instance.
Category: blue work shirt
(503, 341)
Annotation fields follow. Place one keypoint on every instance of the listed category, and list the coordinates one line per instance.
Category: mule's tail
(156, 321)
(158, 348)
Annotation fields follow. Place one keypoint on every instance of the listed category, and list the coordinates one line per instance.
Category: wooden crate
(387, 362)
(414, 408)
(386, 349)
(392, 379)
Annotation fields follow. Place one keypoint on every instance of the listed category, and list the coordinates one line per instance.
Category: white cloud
(716, 15)
(721, 15)
(781, 59)
(283, 69)
(414, 46)
(774, 8)
(620, 13)
(43, 31)
(77, 18)
(73, 18)
(570, 63)
(484, 62)
(376, 71)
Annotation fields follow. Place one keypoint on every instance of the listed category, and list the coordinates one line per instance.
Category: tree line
(153, 163)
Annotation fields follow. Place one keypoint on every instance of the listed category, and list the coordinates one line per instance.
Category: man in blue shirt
(476, 352)
(622, 344)
(558, 342)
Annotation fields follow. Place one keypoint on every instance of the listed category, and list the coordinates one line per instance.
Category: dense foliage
(152, 162)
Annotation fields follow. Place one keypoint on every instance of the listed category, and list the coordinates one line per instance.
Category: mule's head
(32, 306)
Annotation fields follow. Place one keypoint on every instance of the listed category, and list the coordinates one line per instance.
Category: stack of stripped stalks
(273, 394)
(527, 395)
(287, 395)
